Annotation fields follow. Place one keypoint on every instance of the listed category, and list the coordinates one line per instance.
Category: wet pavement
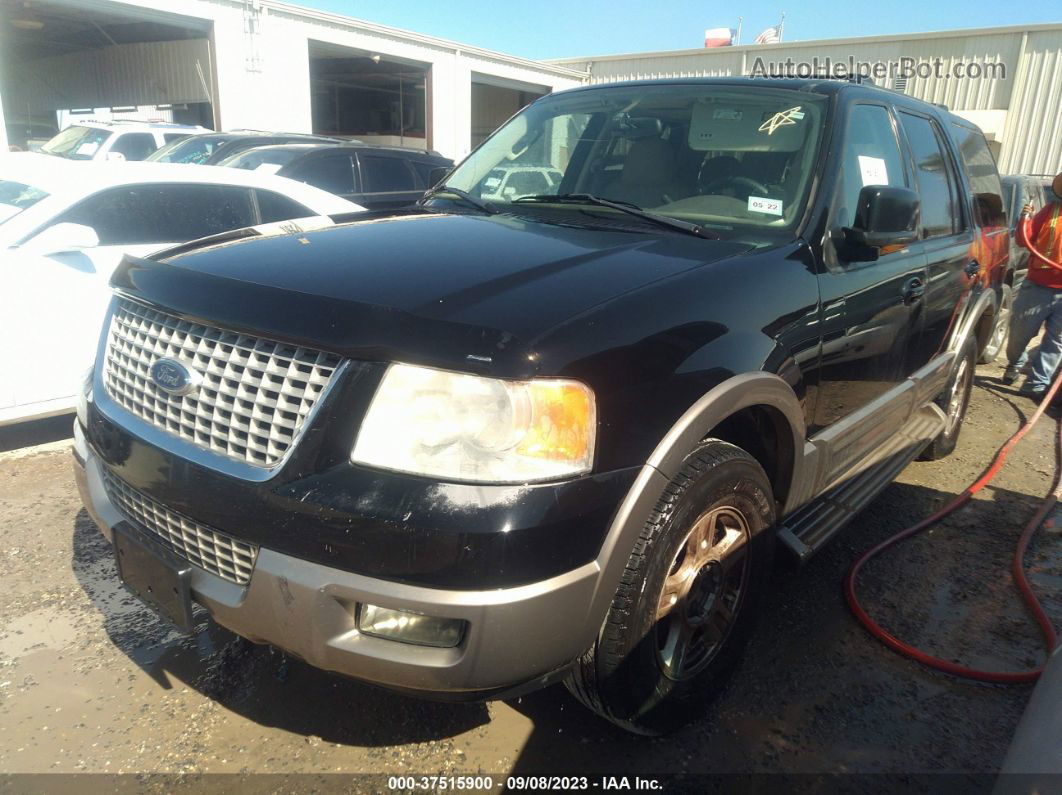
(90, 680)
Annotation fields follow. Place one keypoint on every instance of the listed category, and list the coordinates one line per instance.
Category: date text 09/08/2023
(488, 783)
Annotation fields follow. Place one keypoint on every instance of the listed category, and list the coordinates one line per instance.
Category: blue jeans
(1034, 307)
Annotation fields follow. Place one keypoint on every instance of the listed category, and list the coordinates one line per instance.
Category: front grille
(198, 544)
(255, 393)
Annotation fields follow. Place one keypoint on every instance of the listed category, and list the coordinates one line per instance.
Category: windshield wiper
(623, 207)
(481, 204)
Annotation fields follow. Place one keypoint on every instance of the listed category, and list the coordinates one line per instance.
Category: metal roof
(420, 38)
(933, 34)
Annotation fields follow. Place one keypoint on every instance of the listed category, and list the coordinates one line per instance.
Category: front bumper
(516, 637)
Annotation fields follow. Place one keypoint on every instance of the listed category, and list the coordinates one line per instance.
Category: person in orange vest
(1039, 300)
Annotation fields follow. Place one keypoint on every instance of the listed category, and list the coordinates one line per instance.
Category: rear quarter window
(980, 167)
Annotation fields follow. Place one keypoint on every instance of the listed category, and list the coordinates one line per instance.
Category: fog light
(407, 627)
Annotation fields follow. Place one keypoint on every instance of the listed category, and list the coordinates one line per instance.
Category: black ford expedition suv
(473, 447)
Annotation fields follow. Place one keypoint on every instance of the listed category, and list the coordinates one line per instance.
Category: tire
(954, 401)
(693, 582)
(997, 341)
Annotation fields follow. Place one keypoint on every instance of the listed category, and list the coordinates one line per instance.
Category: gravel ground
(91, 681)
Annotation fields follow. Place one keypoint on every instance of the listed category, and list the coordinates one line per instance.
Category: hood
(465, 287)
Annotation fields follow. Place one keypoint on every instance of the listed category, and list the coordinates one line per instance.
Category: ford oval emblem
(175, 378)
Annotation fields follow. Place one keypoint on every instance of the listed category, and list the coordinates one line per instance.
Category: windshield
(192, 149)
(16, 197)
(264, 159)
(729, 158)
(77, 143)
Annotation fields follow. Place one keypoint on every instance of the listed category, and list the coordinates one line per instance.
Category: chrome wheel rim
(999, 335)
(702, 592)
(958, 394)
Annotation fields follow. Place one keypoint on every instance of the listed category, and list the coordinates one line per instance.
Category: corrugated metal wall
(1032, 138)
(126, 74)
(1029, 89)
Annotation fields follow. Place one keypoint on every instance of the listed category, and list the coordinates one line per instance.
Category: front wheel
(954, 401)
(685, 606)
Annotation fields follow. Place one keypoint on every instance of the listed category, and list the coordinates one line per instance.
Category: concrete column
(451, 106)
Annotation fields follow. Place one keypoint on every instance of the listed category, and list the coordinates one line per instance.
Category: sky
(555, 29)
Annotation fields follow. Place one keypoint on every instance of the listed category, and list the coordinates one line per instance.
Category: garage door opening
(494, 100)
(363, 95)
(67, 61)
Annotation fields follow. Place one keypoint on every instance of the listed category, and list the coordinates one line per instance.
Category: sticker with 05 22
(758, 204)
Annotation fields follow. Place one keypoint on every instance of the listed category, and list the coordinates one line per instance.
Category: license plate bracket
(154, 574)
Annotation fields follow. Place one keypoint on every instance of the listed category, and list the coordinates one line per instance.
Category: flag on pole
(719, 37)
(772, 35)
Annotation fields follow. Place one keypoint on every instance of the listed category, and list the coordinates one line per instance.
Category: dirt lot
(91, 681)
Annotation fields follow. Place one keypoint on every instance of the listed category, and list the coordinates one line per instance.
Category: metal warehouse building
(1019, 106)
(263, 64)
(259, 64)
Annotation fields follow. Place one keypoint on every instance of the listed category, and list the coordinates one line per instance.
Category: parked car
(513, 182)
(28, 136)
(470, 448)
(209, 150)
(64, 227)
(377, 177)
(116, 140)
(1018, 190)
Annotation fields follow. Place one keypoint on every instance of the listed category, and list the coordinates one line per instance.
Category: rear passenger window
(385, 174)
(274, 207)
(984, 177)
(334, 173)
(135, 146)
(162, 213)
(936, 183)
(871, 156)
(424, 172)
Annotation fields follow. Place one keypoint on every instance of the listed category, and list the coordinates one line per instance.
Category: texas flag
(719, 37)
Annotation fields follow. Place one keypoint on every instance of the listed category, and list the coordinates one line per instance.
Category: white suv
(115, 140)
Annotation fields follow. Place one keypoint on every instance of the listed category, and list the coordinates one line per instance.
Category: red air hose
(1017, 566)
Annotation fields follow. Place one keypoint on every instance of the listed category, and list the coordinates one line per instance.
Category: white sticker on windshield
(269, 168)
(758, 204)
(88, 149)
(873, 170)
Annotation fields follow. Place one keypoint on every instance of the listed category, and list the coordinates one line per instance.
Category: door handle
(913, 290)
(972, 268)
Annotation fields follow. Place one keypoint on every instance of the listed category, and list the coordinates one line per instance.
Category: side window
(334, 173)
(423, 171)
(870, 156)
(274, 207)
(936, 187)
(187, 212)
(162, 213)
(114, 214)
(135, 146)
(385, 174)
(980, 166)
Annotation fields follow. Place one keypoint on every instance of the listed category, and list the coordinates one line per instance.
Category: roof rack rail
(792, 75)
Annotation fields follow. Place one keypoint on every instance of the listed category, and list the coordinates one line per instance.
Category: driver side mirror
(116, 157)
(886, 217)
(63, 239)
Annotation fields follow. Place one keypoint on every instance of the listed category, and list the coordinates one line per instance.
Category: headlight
(463, 427)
